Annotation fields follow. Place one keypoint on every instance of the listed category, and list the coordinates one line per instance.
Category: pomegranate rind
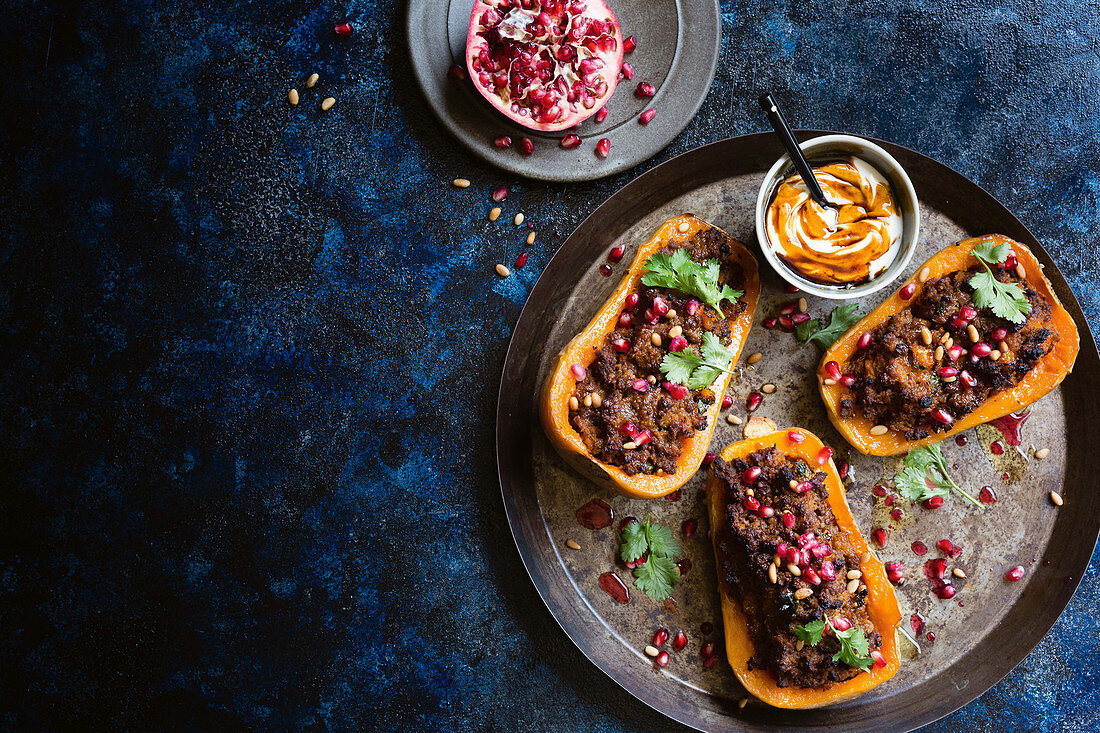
(516, 21)
(882, 601)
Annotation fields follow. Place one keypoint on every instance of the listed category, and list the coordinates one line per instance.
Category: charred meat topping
(787, 561)
(940, 359)
(626, 412)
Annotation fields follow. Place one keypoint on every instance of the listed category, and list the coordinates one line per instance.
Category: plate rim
(1088, 351)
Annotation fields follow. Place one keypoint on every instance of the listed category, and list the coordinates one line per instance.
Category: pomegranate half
(546, 64)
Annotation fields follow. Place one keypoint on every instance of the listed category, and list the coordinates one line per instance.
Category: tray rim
(653, 179)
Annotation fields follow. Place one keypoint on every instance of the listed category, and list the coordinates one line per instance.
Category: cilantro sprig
(854, 650)
(679, 272)
(658, 575)
(841, 319)
(1006, 300)
(698, 370)
(924, 475)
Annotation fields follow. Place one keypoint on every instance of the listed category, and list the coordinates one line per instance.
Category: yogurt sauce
(848, 245)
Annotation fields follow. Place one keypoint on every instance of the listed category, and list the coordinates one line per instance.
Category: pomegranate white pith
(546, 65)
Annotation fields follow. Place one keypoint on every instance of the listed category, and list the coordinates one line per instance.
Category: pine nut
(958, 573)
(629, 445)
(574, 403)
(742, 702)
(939, 352)
(749, 491)
(1056, 498)
(494, 213)
(995, 355)
(651, 650)
(460, 183)
(572, 544)
(802, 593)
(651, 379)
(925, 335)
(313, 78)
(732, 419)
(1003, 347)
(597, 401)
(671, 313)
(1042, 453)
(519, 219)
(802, 305)
(948, 380)
(853, 585)
(924, 273)
(793, 569)
(798, 645)
(327, 103)
(292, 97)
(531, 238)
(948, 342)
(1021, 272)
(793, 484)
(675, 331)
(754, 358)
(588, 400)
(854, 574)
(865, 557)
(829, 382)
(768, 388)
(503, 271)
(684, 226)
(777, 560)
(972, 332)
(656, 339)
(772, 576)
(879, 430)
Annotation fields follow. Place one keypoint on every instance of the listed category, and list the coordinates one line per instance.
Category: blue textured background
(249, 353)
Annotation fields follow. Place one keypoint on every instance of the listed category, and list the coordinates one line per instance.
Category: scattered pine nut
(311, 80)
(494, 213)
(958, 573)
(948, 380)
(768, 388)
(939, 352)
(733, 419)
(926, 335)
(1056, 498)
(656, 339)
(531, 238)
(574, 403)
(865, 557)
(829, 382)
(588, 400)
(924, 274)
(292, 97)
(1042, 453)
(1020, 271)
(798, 645)
(853, 585)
(754, 358)
(460, 183)
(972, 332)
(879, 430)
(854, 574)
(651, 379)
(802, 305)
(327, 103)
(1003, 347)
(802, 593)
(995, 355)
(675, 331)
(671, 313)
(796, 571)
(651, 650)
(684, 226)
(519, 219)
(742, 702)
(629, 445)
(572, 544)
(503, 271)
(597, 401)
(772, 576)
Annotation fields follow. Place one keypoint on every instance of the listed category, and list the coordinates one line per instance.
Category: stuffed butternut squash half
(976, 334)
(810, 617)
(632, 400)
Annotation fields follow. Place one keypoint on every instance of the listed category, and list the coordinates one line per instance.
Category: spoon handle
(775, 117)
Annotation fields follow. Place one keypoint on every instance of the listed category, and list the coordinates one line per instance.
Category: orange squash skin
(559, 384)
(1047, 374)
(882, 603)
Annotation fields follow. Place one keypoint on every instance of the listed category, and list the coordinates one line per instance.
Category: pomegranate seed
(999, 334)
(1010, 261)
(526, 146)
(803, 487)
(632, 301)
(949, 548)
(647, 116)
(660, 307)
(645, 89)
(579, 372)
(997, 448)
(948, 371)
(842, 469)
(788, 308)
(785, 323)
(793, 555)
(708, 650)
(620, 345)
(677, 391)
(640, 561)
(820, 550)
(628, 70)
(919, 548)
(945, 591)
(879, 490)
(678, 343)
(601, 115)
(457, 73)
(640, 385)
(847, 380)
(616, 254)
(679, 641)
(880, 661)
(754, 401)
(625, 320)
(500, 194)
(798, 318)
(840, 623)
(968, 379)
(954, 352)
(781, 549)
(662, 659)
(907, 292)
(967, 312)
(934, 502)
(864, 340)
(650, 317)
(765, 512)
(832, 370)
(570, 141)
(688, 527)
(770, 322)
(795, 436)
(692, 307)
(981, 349)
(605, 270)
(503, 142)
(1015, 574)
(750, 503)
(879, 536)
(628, 429)
(788, 520)
(811, 576)
(710, 662)
(895, 514)
(643, 438)
(603, 147)
(727, 401)
(824, 455)
(895, 572)
(522, 260)
(709, 458)
(343, 29)
(629, 44)
(660, 637)
(626, 522)
(941, 415)
(805, 539)
(958, 323)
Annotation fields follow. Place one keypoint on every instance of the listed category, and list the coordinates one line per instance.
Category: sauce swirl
(847, 245)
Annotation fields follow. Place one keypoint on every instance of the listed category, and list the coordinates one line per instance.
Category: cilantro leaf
(678, 365)
(634, 542)
(660, 539)
(841, 319)
(811, 633)
(1006, 300)
(679, 272)
(924, 474)
(853, 648)
(698, 371)
(657, 577)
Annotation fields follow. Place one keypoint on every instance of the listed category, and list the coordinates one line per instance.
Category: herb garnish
(657, 576)
(854, 650)
(841, 319)
(1006, 300)
(925, 475)
(695, 371)
(679, 272)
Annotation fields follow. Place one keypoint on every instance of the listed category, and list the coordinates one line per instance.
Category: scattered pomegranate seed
(832, 370)
(678, 343)
(750, 503)
(647, 116)
(919, 548)
(707, 651)
(456, 72)
(616, 254)
(847, 380)
(934, 502)
(968, 379)
(999, 334)
(605, 270)
(798, 318)
(803, 487)
(765, 512)
(628, 70)
(710, 662)
(840, 623)
(958, 323)
(709, 458)
(632, 300)
(526, 146)
(754, 401)
(603, 147)
(949, 548)
(945, 591)
(880, 661)
(662, 659)
(689, 526)
(954, 352)
(692, 307)
(828, 571)
(626, 522)
(660, 637)
(642, 438)
(343, 29)
(570, 141)
(770, 322)
(997, 448)
(629, 430)
(895, 572)
(842, 469)
(948, 371)
(824, 455)
(680, 640)
(676, 391)
(727, 401)
(864, 340)
(879, 490)
(640, 385)
(620, 345)
(1015, 574)
(660, 306)
(879, 536)
(941, 415)
(500, 194)
(895, 513)
(750, 474)
(629, 44)
(788, 308)
(579, 372)
(796, 436)
(645, 89)
(811, 576)
(907, 292)
(601, 115)
(981, 349)
(625, 320)
(503, 142)
(522, 259)
(1010, 261)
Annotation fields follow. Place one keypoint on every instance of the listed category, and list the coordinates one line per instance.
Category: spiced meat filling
(758, 552)
(923, 369)
(626, 412)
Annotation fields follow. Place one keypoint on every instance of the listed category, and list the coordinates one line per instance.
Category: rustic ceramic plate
(979, 635)
(677, 51)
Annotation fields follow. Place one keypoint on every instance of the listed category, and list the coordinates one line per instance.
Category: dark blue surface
(250, 352)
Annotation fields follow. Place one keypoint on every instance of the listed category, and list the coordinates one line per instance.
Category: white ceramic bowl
(832, 146)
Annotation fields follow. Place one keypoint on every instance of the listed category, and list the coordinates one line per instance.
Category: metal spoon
(775, 117)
